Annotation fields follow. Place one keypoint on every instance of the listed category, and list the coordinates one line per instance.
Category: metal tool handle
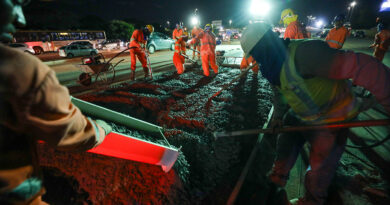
(363, 123)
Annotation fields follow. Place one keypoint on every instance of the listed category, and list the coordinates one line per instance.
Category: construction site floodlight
(260, 8)
(194, 21)
(385, 6)
(319, 23)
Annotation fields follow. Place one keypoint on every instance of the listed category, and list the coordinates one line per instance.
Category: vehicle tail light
(87, 60)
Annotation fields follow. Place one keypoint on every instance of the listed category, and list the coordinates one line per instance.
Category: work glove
(107, 128)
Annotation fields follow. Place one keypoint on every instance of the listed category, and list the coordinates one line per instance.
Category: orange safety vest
(336, 37)
(207, 41)
(247, 61)
(295, 31)
(137, 38)
(382, 39)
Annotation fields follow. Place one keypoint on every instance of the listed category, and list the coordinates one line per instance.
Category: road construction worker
(313, 80)
(196, 46)
(179, 37)
(248, 62)
(381, 42)
(137, 46)
(207, 49)
(337, 35)
(34, 106)
(294, 29)
(178, 59)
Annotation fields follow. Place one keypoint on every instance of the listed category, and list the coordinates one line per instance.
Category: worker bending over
(337, 35)
(294, 29)
(313, 80)
(34, 106)
(137, 46)
(207, 49)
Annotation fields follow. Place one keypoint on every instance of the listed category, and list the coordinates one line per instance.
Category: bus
(46, 41)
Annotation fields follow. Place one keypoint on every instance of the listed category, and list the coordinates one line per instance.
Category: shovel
(363, 123)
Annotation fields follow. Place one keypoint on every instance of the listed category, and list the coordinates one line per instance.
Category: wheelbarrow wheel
(107, 77)
(85, 79)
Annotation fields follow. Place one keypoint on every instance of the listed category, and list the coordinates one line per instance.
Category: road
(68, 70)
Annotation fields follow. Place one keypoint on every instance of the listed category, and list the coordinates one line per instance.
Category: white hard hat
(252, 35)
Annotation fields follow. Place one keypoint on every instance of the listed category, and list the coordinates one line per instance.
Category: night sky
(180, 10)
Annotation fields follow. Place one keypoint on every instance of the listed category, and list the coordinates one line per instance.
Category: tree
(117, 29)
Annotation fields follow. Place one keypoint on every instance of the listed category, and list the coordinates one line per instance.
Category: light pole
(230, 23)
(168, 23)
(351, 6)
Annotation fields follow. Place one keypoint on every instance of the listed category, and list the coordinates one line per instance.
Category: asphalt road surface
(68, 70)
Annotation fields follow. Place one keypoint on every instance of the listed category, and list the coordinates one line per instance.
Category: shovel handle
(363, 123)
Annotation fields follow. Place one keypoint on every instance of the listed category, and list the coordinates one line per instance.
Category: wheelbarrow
(97, 71)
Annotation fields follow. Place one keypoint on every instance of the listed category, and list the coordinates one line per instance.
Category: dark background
(99, 14)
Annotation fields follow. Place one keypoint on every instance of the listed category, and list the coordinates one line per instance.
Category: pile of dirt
(207, 169)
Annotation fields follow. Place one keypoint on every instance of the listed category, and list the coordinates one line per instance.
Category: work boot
(146, 72)
(132, 75)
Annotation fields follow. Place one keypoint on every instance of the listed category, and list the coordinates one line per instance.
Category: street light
(352, 5)
(230, 23)
(168, 23)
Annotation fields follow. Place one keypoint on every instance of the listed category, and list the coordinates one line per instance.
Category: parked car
(111, 44)
(70, 51)
(83, 43)
(23, 47)
(358, 34)
(160, 41)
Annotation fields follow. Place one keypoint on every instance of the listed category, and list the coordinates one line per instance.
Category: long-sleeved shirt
(316, 59)
(207, 41)
(295, 31)
(34, 106)
(137, 39)
(382, 40)
(336, 37)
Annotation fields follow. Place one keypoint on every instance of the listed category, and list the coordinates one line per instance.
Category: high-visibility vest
(336, 37)
(316, 100)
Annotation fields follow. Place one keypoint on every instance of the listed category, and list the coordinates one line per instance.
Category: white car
(73, 50)
(23, 47)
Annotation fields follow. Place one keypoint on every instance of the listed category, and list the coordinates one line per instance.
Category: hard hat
(150, 28)
(340, 17)
(207, 26)
(252, 35)
(287, 17)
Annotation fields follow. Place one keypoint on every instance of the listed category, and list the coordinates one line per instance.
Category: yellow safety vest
(316, 100)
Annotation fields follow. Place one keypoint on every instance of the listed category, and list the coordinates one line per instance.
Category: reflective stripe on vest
(317, 99)
(336, 42)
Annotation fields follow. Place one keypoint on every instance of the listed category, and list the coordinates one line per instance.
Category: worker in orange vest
(195, 32)
(337, 35)
(247, 62)
(207, 49)
(294, 29)
(178, 36)
(137, 46)
(178, 59)
(382, 41)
